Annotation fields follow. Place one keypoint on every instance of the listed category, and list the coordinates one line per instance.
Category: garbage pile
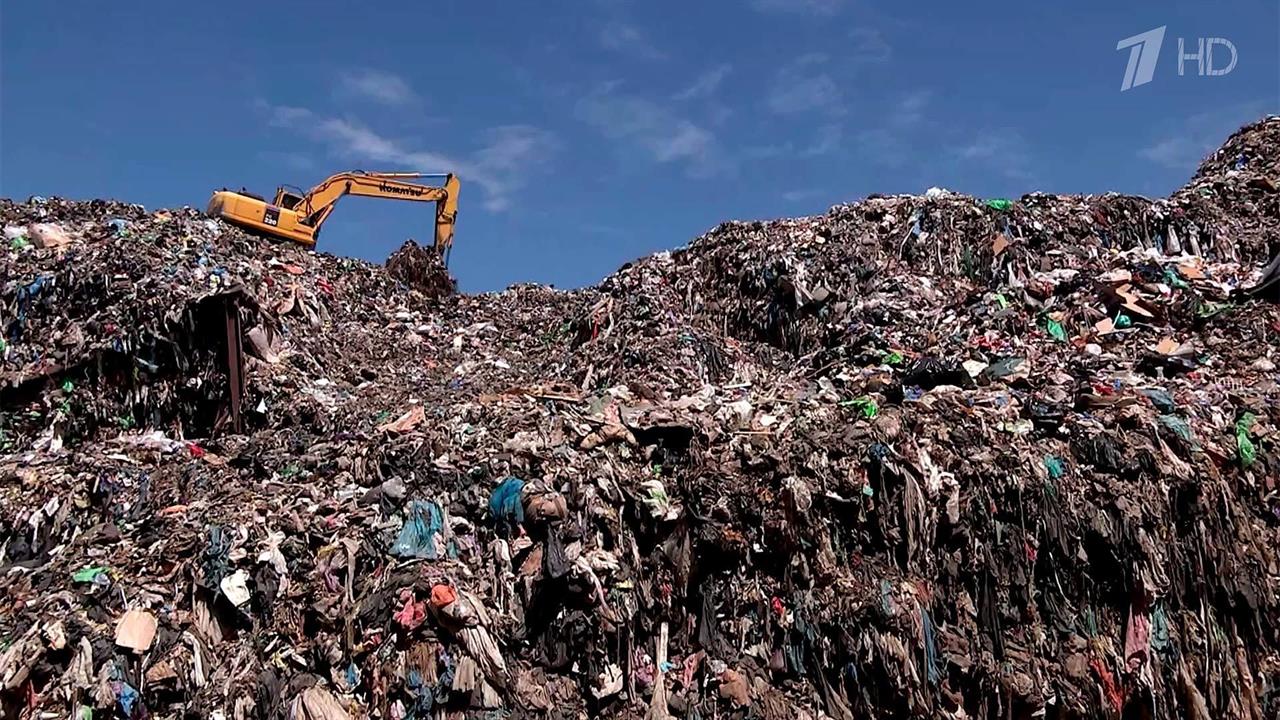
(422, 269)
(931, 456)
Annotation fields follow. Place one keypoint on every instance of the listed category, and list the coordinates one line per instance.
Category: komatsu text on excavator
(298, 216)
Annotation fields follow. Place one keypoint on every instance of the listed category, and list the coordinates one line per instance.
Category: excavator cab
(287, 199)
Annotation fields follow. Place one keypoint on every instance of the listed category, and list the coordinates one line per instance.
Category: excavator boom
(299, 217)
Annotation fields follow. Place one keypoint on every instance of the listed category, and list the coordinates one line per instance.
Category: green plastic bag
(87, 575)
(1179, 427)
(1209, 309)
(1000, 204)
(1054, 328)
(867, 406)
(1056, 467)
(892, 358)
(1172, 279)
(1244, 444)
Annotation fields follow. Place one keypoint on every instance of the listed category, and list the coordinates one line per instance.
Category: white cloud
(1185, 143)
(982, 147)
(803, 85)
(375, 85)
(883, 146)
(688, 141)
(826, 141)
(291, 160)
(705, 84)
(909, 112)
(500, 164)
(804, 94)
(663, 135)
(901, 132)
(512, 148)
(801, 194)
(1172, 152)
(767, 152)
(510, 154)
(719, 114)
(352, 138)
(627, 39)
(283, 115)
(869, 46)
(799, 7)
(1001, 150)
(890, 143)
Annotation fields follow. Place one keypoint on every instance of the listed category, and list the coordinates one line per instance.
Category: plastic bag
(1244, 444)
(418, 536)
(506, 506)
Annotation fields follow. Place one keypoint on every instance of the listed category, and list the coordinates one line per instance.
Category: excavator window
(289, 200)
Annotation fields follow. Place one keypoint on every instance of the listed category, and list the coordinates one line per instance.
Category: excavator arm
(316, 205)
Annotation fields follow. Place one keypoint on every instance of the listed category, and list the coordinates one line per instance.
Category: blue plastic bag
(418, 536)
(506, 507)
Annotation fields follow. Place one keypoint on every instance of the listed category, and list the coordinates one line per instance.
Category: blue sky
(589, 133)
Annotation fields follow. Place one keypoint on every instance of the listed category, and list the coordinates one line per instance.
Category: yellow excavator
(295, 215)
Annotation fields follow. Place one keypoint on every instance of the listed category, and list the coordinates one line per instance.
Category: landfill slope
(920, 456)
